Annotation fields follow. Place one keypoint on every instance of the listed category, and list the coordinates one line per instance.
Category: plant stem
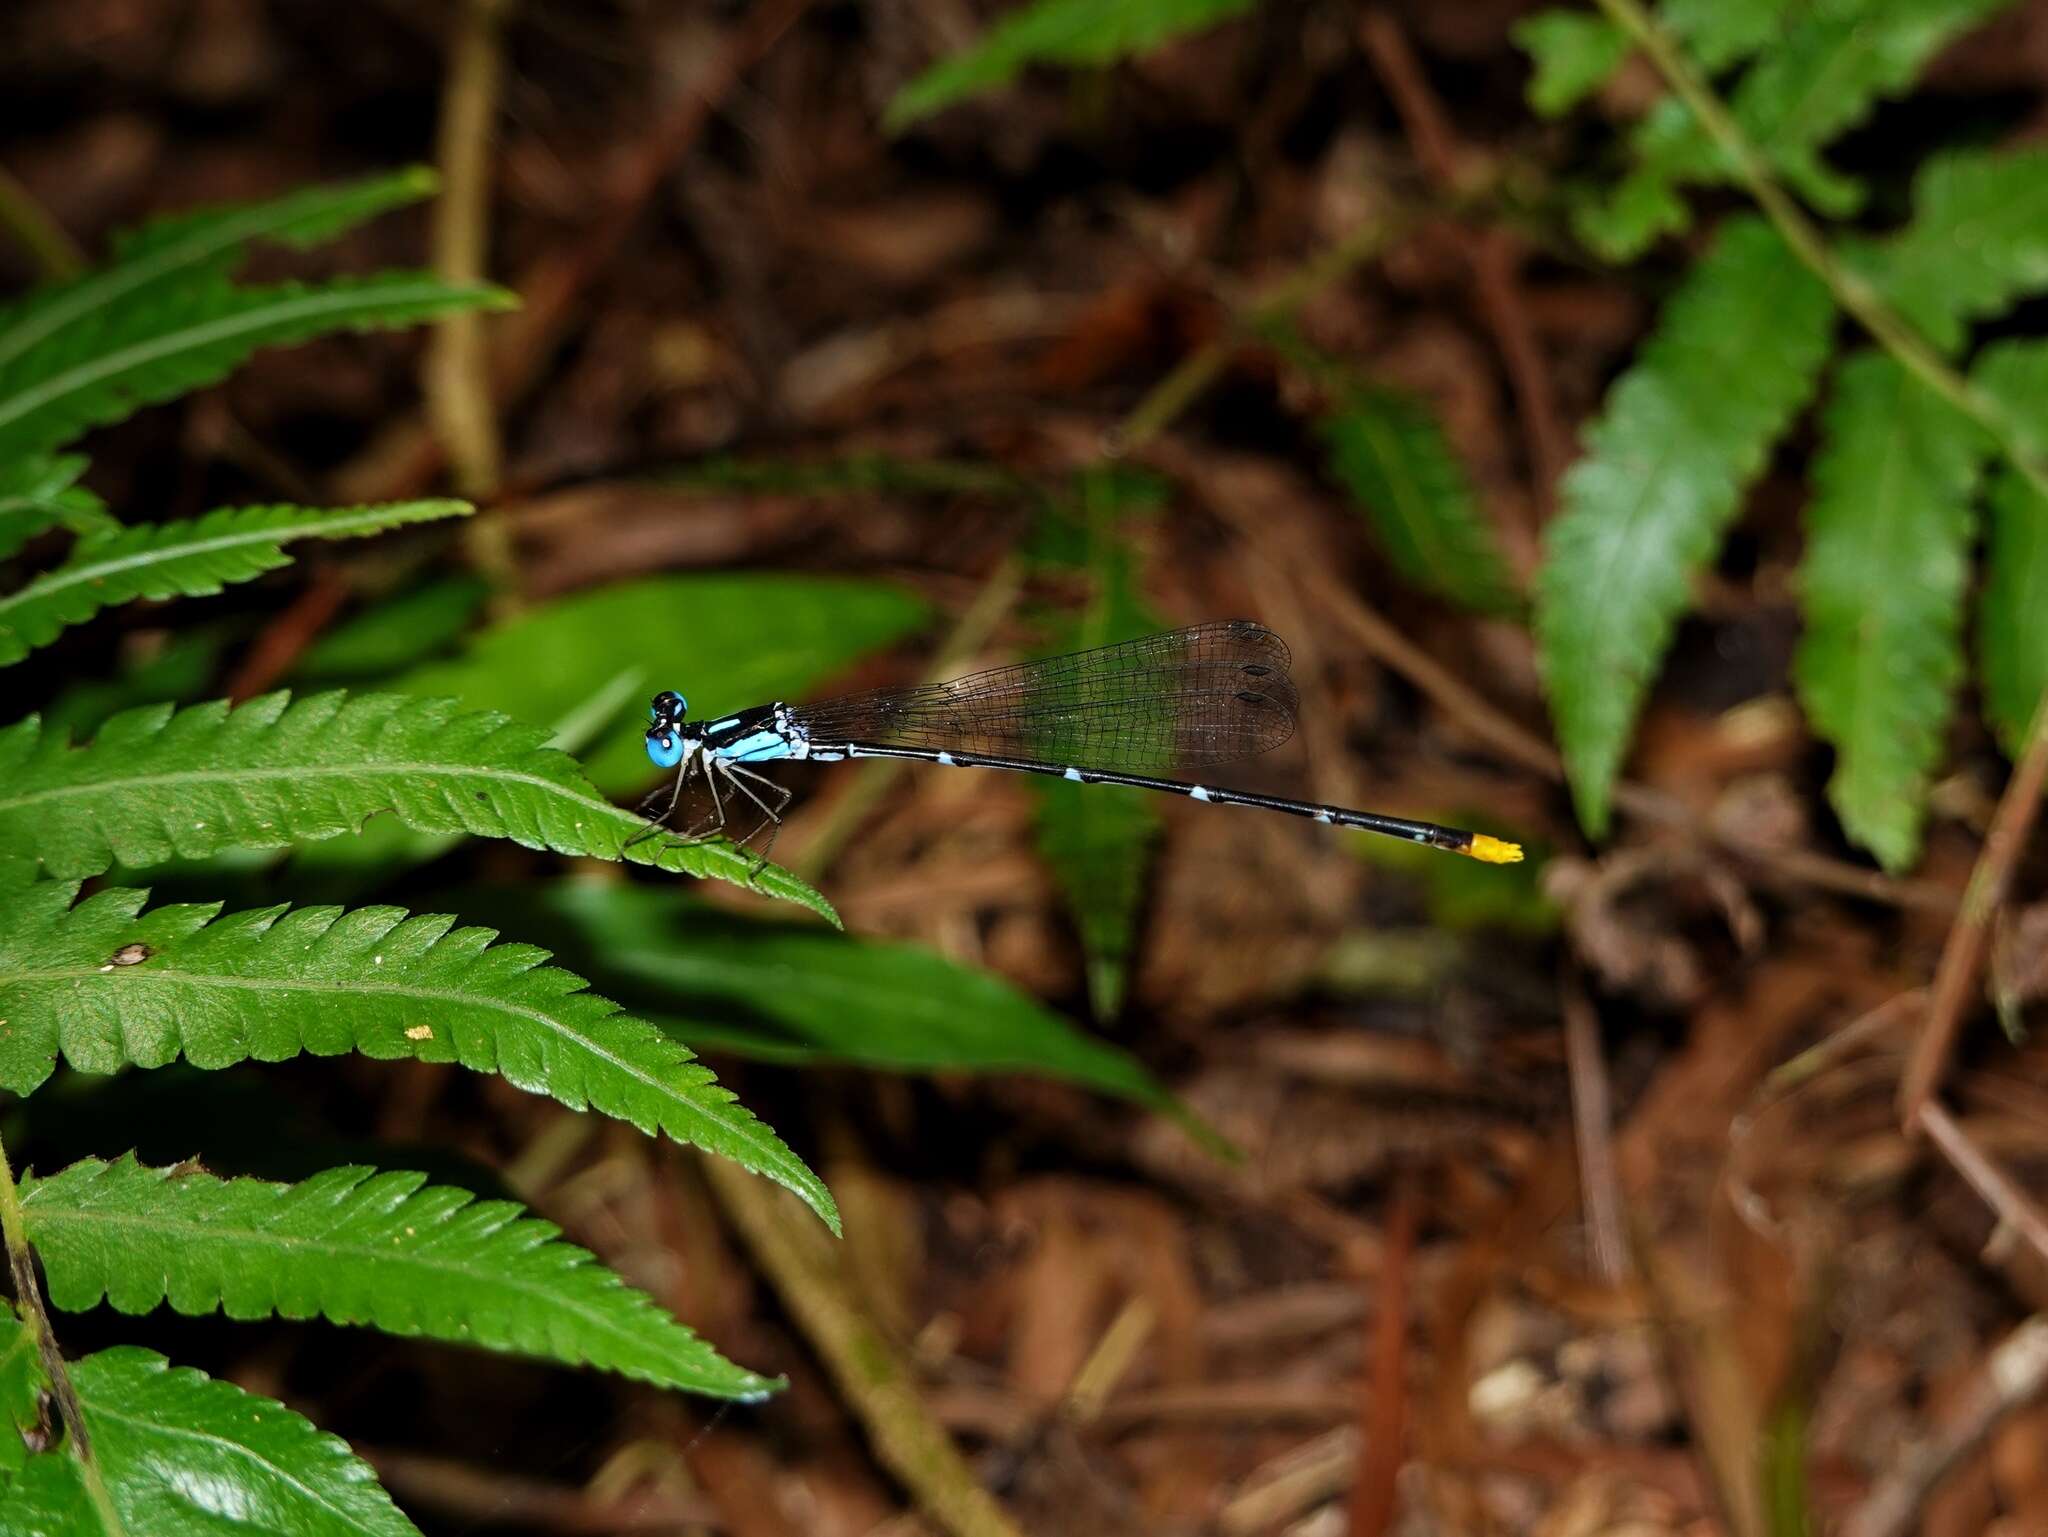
(1851, 292)
(37, 233)
(1201, 368)
(28, 1300)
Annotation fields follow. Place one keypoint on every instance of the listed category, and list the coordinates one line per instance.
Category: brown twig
(40, 235)
(1592, 1127)
(492, 1497)
(1962, 956)
(808, 1276)
(2012, 1206)
(1493, 253)
(1383, 1395)
(404, 461)
(1184, 385)
(457, 371)
(279, 645)
(2014, 1375)
(455, 374)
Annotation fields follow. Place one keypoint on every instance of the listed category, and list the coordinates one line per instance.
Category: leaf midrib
(345, 521)
(224, 328)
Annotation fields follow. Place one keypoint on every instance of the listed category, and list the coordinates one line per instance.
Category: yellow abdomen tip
(1495, 851)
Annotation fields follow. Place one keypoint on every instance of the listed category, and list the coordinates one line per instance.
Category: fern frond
(185, 558)
(156, 344)
(1887, 555)
(897, 1007)
(355, 1246)
(203, 244)
(1977, 243)
(1390, 454)
(2012, 636)
(1574, 53)
(1074, 32)
(271, 983)
(158, 783)
(1683, 433)
(184, 1455)
(37, 495)
(1821, 75)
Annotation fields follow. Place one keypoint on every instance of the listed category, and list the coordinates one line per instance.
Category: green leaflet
(1574, 54)
(271, 983)
(1390, 454)
(1887, 556)
(184, 1455)
(1820, 75)
(782, 992)
(398, 631)
(184, 558)
(158, 783)
(194, 247)
(37, 495)
(2012, 636)
(1718, 33)
(355, 1246)
(1681, 436)
(1098, 839)
(1073, 32)
(158, 343)
(21, 1390)
(1978, 241)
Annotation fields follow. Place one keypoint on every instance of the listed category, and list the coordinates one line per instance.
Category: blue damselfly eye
(665, 748)
(668, 706)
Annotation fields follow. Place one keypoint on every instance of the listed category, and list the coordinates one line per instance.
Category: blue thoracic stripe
(761, 747)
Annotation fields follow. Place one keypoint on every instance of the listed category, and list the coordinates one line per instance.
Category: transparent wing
(1211, 693)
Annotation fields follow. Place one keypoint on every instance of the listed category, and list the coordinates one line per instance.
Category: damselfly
(1208, 694)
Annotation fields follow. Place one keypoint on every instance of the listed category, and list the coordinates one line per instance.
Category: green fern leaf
(1072, 32)
(183, 1455)
(1098, 843)
(355, 1246)
(196, 247)
(1720, 33)
(1887, 556)
(2012, 636)
(1683, 433)
(184, 558)
(21, 1390)
(1822, 75)
(156, 344)
(1574, 54)
(271, 983)
(37, 495)
(157, 784)
(1977, 243)
(1390, 454)
(783, 992)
